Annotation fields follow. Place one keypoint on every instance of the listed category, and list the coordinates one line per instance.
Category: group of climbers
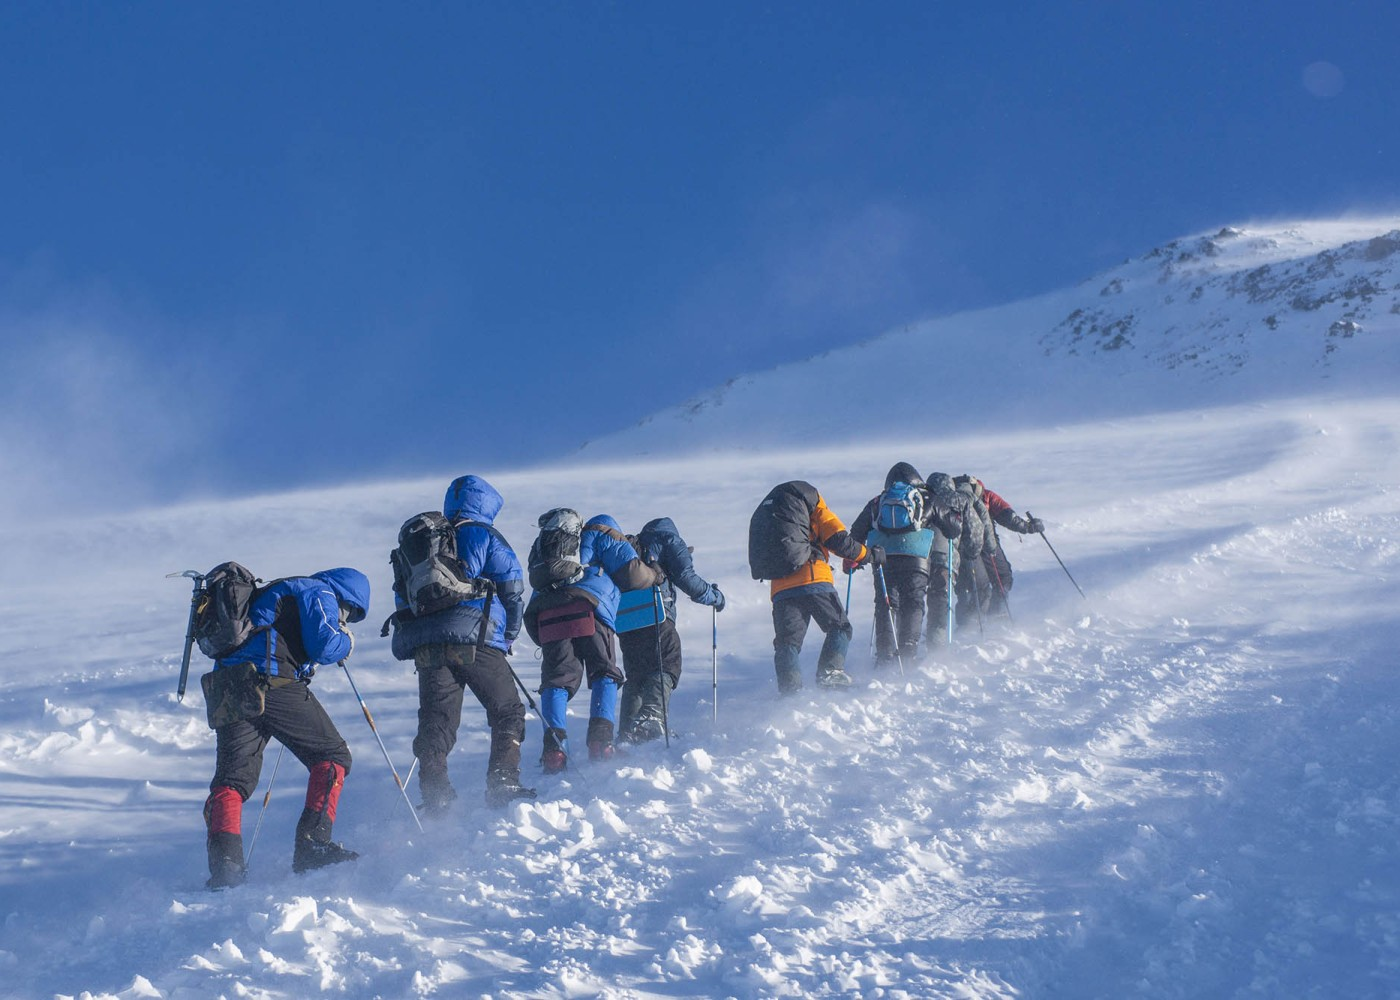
(460, 604)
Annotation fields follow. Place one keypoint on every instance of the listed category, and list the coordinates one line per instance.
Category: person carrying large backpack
(578, 572)
(646, 630)
(791, 535)
(459, 593)
(258, 691)
(906, 520)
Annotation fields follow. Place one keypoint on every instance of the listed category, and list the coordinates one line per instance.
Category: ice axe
(198, 579)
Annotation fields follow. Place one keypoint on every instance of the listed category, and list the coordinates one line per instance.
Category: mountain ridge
(1230, 315)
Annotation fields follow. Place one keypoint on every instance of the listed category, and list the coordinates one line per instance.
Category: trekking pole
(714, 665)
(382, 749)
(948, 590)
(849, 577)
(267, 797)
(656, 609)
(1060, 561)
(530, 701)
(198, 579)
(407, 779)
(889, 611)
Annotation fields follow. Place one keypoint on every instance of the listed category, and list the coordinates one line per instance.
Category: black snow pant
(973, 592)
(295, 719)
(445, 672)
(940, 586)
(566, 662)
(907, 579)
(793, 611)
(647, 691)
(999, 575)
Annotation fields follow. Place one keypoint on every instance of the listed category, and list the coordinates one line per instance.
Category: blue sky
(248, 247)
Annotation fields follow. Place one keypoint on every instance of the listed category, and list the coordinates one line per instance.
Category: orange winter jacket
(830, 535)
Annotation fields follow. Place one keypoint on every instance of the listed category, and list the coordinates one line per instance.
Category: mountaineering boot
(644, 730)
(556, 751)
(223, 819)
(435, 788)
(600, 739)
(312, 854)
(226, 867)
(314, 847)
(831, 663)
(503, 787)
(833, 679)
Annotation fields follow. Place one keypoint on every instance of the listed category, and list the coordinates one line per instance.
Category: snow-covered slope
(1183, 787)
(1245, 313)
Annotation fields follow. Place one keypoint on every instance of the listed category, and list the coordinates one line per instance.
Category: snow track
(1185, 788)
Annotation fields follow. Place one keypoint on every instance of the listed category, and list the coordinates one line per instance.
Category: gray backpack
(427, 571)
(554, 558)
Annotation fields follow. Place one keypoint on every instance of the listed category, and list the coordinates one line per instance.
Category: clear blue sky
(250, 246)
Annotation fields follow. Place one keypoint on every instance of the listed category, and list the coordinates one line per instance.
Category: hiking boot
(436, 799)
(498, 796)
(644, 731)
(884, 663)
(226, 866)
(556, 751)
(312, 854)
(834, 679)
(598, 750)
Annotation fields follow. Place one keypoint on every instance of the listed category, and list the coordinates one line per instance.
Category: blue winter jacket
(662, 545)
(298, 623)
(610, 566)
(484, 552)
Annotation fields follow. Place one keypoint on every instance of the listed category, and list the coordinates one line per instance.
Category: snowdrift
(1182, 787)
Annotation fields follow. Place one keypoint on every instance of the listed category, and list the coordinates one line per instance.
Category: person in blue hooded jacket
(299, 623)
(651, 646)
(452, 653)
(572, 620)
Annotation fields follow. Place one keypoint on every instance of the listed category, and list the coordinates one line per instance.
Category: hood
(351, 588)
(605, 520)
(660, 526)
(941, 482)
(473, 498)
(903, 472)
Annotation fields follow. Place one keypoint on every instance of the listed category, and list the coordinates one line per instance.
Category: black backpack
(221, 622)
(780, 531)
(554, 558)
(427, 570)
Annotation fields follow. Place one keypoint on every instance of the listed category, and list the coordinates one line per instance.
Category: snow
(1183, 786)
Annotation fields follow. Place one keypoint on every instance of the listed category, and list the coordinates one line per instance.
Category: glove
(1034, 526)
(510, 648)
(849, 566)
(718, 602)
(351, 636)
(875, 556)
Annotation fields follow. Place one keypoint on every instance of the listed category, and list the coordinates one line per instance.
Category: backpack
(554, 558)
(780, 531)
(901, 508)
(427, 570)
(221, 622)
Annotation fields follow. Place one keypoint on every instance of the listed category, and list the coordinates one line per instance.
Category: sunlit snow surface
(1184, 787)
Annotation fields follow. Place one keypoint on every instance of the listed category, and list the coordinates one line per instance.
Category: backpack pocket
(573, 620)
(233, 694)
